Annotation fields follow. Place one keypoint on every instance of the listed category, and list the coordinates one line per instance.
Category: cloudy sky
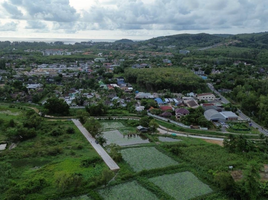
(133, 19)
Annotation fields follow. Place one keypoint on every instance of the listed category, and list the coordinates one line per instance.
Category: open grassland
(146, 158)
(181, 186)
(131, 190)
(123, 140)
(168, 139)
(49, 165)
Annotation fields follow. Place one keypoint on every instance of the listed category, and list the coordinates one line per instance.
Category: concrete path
(172, 132)
(107, 159)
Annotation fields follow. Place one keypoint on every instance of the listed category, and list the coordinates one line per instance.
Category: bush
(70, 130)
(92, 161)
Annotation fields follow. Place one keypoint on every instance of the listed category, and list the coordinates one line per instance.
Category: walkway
(107, 159)
(163, 130)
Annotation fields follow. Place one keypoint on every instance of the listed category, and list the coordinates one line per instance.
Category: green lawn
(181, 186)
(146, 158)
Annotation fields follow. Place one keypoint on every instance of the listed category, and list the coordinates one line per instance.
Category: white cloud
(138, 16)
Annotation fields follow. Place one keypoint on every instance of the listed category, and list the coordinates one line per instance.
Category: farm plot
(112, 125)
(131, 190)
(168, 139)
(182, 185)
(122, 140)
(146, 158)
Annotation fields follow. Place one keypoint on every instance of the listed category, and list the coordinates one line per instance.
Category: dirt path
(214, 142)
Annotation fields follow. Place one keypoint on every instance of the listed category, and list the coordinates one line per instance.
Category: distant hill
(124, 41)
(181, 41)
(223, 35)
(253, 40)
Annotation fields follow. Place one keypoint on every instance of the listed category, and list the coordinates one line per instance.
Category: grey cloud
(12, 10)
(12, 26)
(50, 10)
(178, 14)
(135, 15)
(36, 25)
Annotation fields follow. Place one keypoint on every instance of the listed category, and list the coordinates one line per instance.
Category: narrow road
(223, 99)
(241, 114)
(105, 156)
(172, 132)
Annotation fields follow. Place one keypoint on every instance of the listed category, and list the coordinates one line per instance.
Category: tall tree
(93, 126)
(57, 106)
(251, 179)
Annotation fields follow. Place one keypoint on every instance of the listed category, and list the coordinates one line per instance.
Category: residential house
(166, 114)
(179, 112)
(166, 108)
(142, 95)
(159, 101)
(206, 97)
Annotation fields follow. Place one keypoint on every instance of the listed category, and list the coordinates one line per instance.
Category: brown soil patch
(215, 142)
(237, 175)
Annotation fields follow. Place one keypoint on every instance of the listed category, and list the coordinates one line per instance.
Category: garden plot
(182, 185)
(122, 140)
(112, 125)
(146, 158)
(168, 139)
(131, 190)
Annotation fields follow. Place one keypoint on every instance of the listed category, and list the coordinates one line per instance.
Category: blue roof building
(159, 101)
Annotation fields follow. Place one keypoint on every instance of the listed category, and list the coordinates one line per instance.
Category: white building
(206, 97)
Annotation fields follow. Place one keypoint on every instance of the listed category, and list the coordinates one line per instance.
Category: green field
(168, 139)
(131, 190)
(46, 166)
(181, 186)
(146, 158)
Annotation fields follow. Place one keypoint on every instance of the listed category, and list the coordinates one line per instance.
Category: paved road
(105, 156)
(172, 132)
(223, 99)
(241, 114)
(253, 124)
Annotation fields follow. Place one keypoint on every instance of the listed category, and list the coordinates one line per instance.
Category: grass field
(122, 140)
(131, 190)
(181, 186)
(168, 139)
(52, 160)
(146, 158)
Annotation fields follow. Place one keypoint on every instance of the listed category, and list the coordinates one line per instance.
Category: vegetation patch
(181, 186)
(123, 140)
(146, 158)
(111, 125)
(168, 139)
(131, 190)
(84, 197)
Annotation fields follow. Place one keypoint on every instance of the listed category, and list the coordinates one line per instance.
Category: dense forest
(174, 79)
